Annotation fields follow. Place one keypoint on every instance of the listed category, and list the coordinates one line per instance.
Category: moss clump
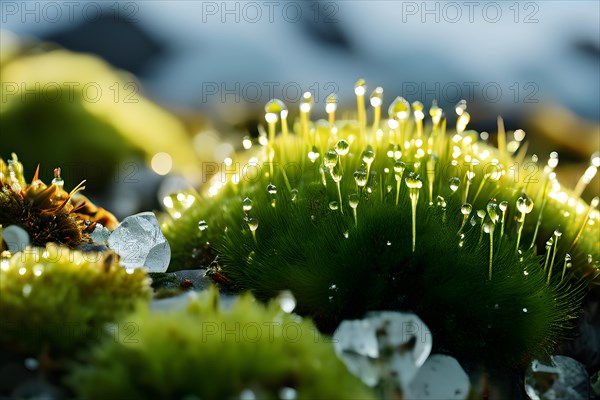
(400, 215)
(57, 300)
(47, 212)
(208, 352)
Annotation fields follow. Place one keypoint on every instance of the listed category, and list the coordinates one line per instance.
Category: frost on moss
(210, 352)
(55, 299)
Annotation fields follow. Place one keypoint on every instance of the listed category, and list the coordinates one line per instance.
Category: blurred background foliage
(137, 97)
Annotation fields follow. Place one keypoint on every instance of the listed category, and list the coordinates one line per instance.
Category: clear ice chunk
(385, 346)
(100, 234)
(139, 242)
(441, 377)
(565, 379)
(16, 238)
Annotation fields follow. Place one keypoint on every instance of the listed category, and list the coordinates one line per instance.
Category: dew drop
(398, 153)
(525, 309)
(287, 301)
(368, 156)
(336, 174)
(330, 159)
(553, 160)
(38, 269)
(454, 183)
(460, 107)
(342, 147)
(503, 206)
(492, 210)
(557, 233)
(247, 204)
(331, 103)
(361, 178)
(346, 234)
(390, 151)
(333, 205)
(417, 107)
(466, 209)
(247, 142)
(252, 223)
(481, 214)
(306, 102)
(441, 202)
(413, 181)
(524, 204)
(58, 181)
(360, 87)
(275, 106)
(376, 97)
(399, 110)
(462, 122)
(313, 155)
(595, 159)
(202, 225)
(487, 227)
(399, 167)
(353, 200)
(294, 194)
(435, 112)
(26, 290)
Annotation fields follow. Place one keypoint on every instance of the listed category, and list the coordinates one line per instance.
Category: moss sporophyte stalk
(403, 214)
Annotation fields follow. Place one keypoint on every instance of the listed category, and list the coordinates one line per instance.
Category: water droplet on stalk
(454, 183)
(247, 205)
(330, 159)
(287, 301)
(342, 147)
(414, 184)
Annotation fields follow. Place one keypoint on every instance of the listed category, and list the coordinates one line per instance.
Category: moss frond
(58, 300)
(210, 352)
(401, 215)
